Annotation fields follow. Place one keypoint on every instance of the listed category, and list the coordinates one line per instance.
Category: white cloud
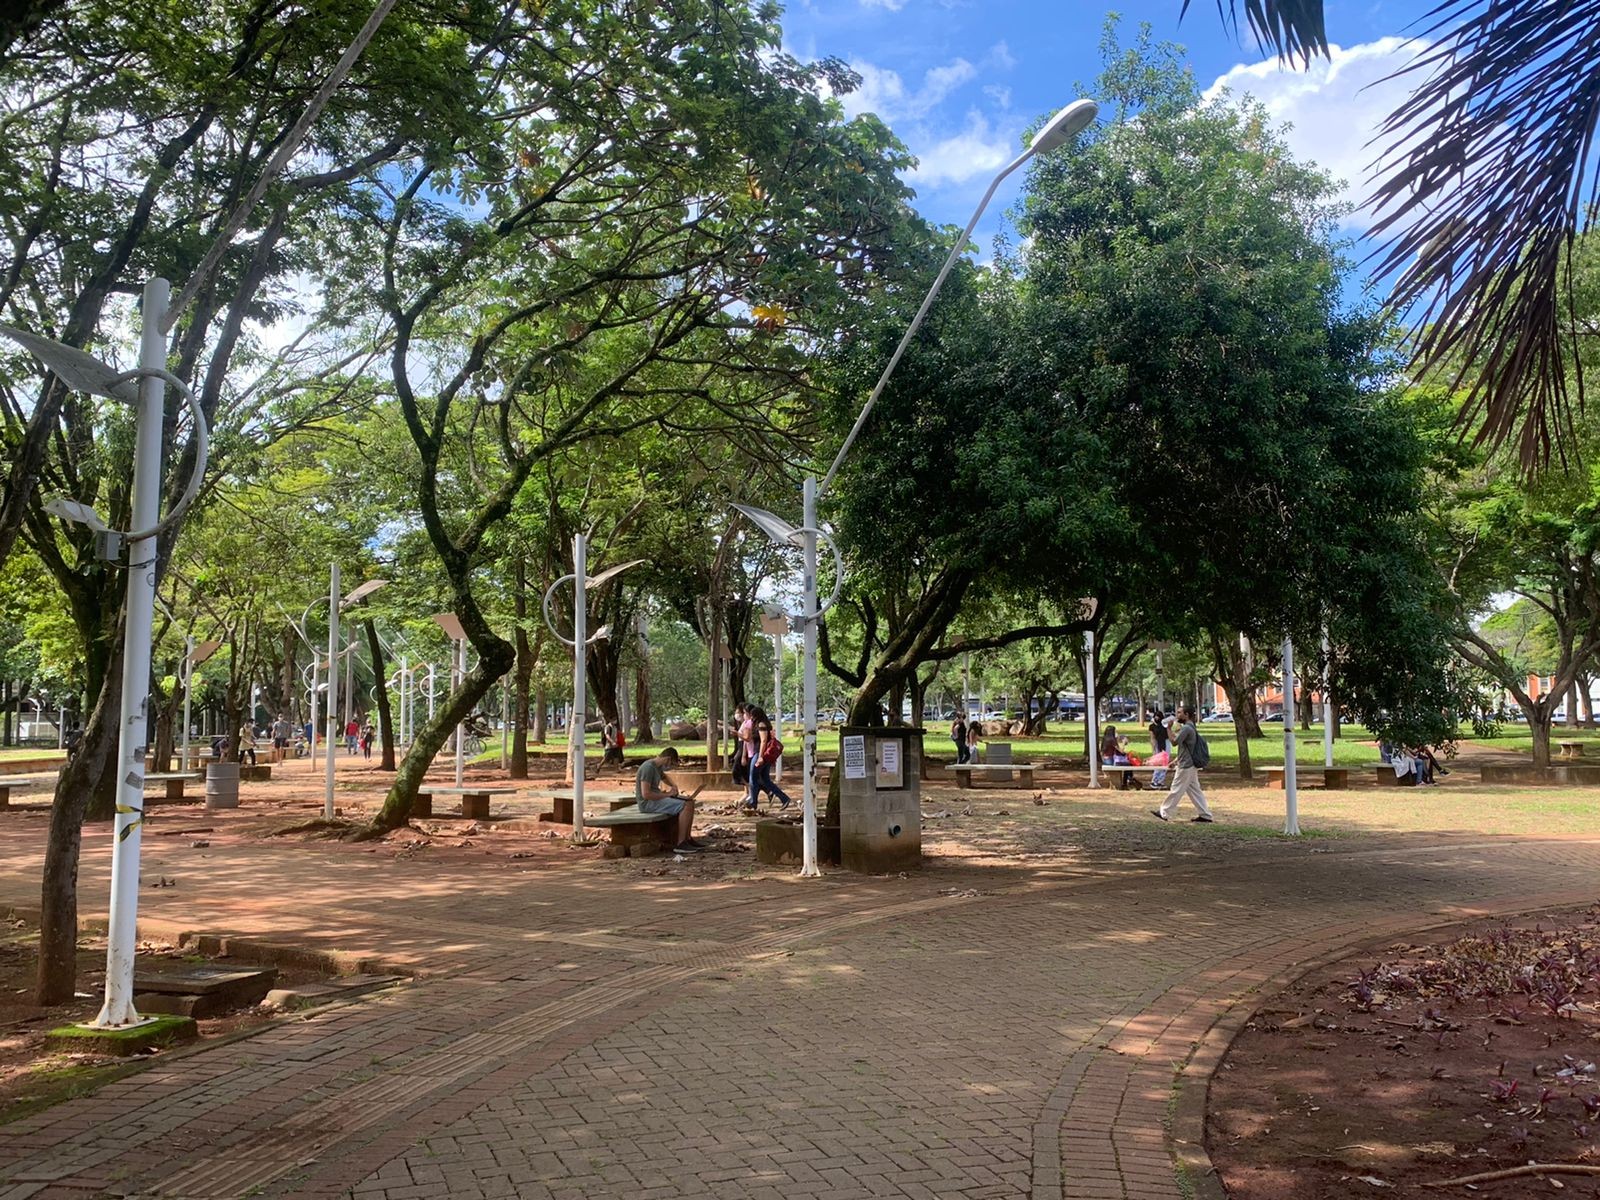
(1335, 108)
(882, 91)
(978, 149)
(891, 5)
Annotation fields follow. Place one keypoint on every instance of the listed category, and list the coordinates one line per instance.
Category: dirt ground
(30, 1074)
(1473, 1050)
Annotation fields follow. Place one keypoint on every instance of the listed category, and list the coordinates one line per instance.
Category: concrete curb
(1186, 1137)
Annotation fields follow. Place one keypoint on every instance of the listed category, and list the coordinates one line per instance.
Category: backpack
(772, 751)
(1201, 753)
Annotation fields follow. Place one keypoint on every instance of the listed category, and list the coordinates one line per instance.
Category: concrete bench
(21, 782)
(1571, 750)
(967, 772)
(634, 833)
(174, 782)
(1334, 779)
(1387, 778)
(561, 803)
(474, 799)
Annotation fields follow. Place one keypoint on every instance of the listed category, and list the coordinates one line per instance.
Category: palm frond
(1484, 185)
(1291, 28)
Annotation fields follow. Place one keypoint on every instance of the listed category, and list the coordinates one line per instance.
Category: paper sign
(855, 757)
(889, 761)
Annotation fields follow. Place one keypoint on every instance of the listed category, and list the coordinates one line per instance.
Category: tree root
(1517, 1172)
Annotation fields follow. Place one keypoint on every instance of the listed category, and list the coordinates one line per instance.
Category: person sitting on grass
(656, 793)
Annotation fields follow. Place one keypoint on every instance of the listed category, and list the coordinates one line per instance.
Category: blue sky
(958, 80)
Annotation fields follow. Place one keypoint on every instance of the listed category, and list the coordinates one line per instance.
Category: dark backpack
(1201, 753)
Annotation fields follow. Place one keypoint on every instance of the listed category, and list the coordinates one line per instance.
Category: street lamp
(1058, 131)
(335, 607)
(144, 389)
(451, 624)
(580, 640)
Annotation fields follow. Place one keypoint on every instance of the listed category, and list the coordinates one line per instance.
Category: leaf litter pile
(1462, 1067)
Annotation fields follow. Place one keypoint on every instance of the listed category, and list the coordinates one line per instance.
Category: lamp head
(72, 510)
(1064, 126)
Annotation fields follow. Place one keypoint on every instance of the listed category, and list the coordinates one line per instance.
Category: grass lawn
(1064, 741)
(25, 752)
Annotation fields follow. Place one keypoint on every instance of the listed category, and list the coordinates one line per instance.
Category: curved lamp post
(1058, 131)
(580, 640)
(145, 389)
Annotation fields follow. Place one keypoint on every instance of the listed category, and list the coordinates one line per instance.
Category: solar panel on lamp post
(1058, 131)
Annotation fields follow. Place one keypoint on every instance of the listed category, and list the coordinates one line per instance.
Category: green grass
(1063, 741)
(26, 752)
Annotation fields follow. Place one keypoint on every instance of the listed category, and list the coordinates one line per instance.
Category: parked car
(1272, 719)
(1219, 717)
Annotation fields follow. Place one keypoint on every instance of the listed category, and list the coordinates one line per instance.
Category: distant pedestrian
(352, 732)
(974, 732)
(958, 735)
(369, 733)
(282, 731)
(613, 740)
(1160, 745)
(247, 743)
(1186, 771)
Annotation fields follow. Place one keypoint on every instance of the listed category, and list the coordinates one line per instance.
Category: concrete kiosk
(880, 799)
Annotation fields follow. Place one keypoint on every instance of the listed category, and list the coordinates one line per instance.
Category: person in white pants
(1185, 775)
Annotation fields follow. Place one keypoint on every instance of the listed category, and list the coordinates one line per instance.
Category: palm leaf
(1292, 28)
(1483, 190)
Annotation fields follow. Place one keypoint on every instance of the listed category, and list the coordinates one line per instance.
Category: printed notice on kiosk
(855, 757)
(889, 763)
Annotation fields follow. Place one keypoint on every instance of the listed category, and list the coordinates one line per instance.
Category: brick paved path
(581, 1033)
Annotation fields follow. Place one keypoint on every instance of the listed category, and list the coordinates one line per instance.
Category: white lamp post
(1327, 701)
(1062, 128)
(775, 624)
(1088, 606)
(580, 641)
(335, 606)
(1291, 794)
(451, 624)
(144, 389)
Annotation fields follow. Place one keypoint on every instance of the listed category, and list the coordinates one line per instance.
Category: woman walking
(768, 748)
(958, 735)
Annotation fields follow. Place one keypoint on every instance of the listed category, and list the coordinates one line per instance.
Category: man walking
(1185, 772)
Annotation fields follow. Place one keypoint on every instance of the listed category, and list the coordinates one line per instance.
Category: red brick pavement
(582, 1033)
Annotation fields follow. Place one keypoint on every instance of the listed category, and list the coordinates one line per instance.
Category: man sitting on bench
(658, 794)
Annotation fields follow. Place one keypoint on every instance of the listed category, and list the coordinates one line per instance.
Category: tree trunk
(541, 715)
(381, 687)
(522, 673)
(643, 734)
(495, 658)
(5, 711)
(89, 780)
(1572, 705)
(1539, 726)
(918, 689)
(714, 686)
(1307, 708)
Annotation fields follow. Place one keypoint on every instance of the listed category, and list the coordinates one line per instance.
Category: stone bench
(23, 782)
(965, 773)
(174, 782)
(635, 834)
(1334, 779)
(1571, 750)
(561, 803)
(1387, 778)
(474, 799)
(260, 773)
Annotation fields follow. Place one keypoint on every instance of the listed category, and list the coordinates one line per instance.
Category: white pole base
(127, 1018)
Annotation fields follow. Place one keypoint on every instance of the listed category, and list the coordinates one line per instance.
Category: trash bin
(222, 785)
